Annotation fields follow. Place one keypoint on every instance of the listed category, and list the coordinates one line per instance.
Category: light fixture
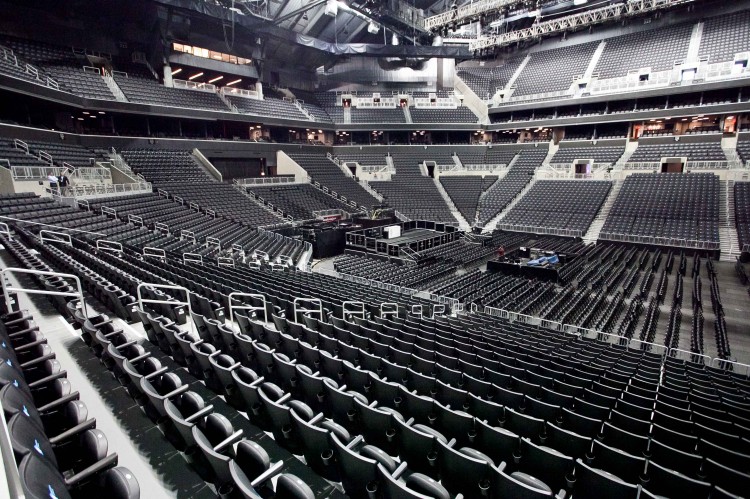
(80, 119)
(196, 75)
(178, 70)
(233, 82)
(85, 112)
(213, 80)
(101, 112)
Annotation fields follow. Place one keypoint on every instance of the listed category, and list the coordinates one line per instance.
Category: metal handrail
(7, 289)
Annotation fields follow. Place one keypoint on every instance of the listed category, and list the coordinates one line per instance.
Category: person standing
(53, 182)
(64, 183)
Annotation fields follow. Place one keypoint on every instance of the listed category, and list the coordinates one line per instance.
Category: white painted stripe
(76, 333)
(127, 327)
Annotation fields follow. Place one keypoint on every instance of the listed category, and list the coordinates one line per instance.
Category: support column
(168, 75)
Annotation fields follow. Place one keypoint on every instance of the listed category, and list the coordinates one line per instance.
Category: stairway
(695, 43)
(303, 110)
(596, 226)
(518, 72)
(630, 147)
(407, 114)
(728, 240)
(594, 60)
(492, 224)
(347, 115)
(231, 106)
(114, 88)
(462, 223)
(551, 152)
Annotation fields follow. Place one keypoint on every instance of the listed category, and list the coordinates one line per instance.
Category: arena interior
(377, 249)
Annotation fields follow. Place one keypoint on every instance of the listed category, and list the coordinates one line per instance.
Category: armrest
(144, 356)
(33, 344)
(22, 332)
(57, 403)
(77, 429)
(47, 379)
(38, 360)
(96, 468)
(156, 373)
(355, 441)
(176, 391)
(125, 345)
(199, 414)
(315, 419)
(271, 472)
(400, 470)
(231, 439)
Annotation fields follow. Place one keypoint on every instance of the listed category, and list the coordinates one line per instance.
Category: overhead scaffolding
(466, 13)
(579, 20)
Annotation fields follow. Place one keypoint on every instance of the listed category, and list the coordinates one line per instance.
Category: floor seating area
(669, 205)
(560, 204)
(396, 272)
(541, 412)
(502, 192)
(464, 191)
(298, 201)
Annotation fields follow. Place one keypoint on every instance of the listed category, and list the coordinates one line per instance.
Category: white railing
(471, 168)
(368, 103)
(33, 172)
(191, 85)
(263, 181)
(631, 83)
(533, 229)
(722, 71)
(240, 92)
(538, 96)
(440, 103)
(640, 165)
(712, 165)
(92, 173)
(660, 241)
(377, 169)
(95, 190)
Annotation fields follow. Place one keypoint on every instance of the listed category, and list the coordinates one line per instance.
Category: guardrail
(94, 190)
(191, 85)
(472, 168)
(660, 241)
(264, 181)
(552, 231)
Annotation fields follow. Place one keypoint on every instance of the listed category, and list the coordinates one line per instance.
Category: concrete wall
(287, 166)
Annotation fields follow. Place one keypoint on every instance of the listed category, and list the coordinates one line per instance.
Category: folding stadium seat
(625, 466)
(464, 470)
(401, 484)
(594, 483)
(40, 479)
(632, 443)
(418, 446)
(567, 442)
